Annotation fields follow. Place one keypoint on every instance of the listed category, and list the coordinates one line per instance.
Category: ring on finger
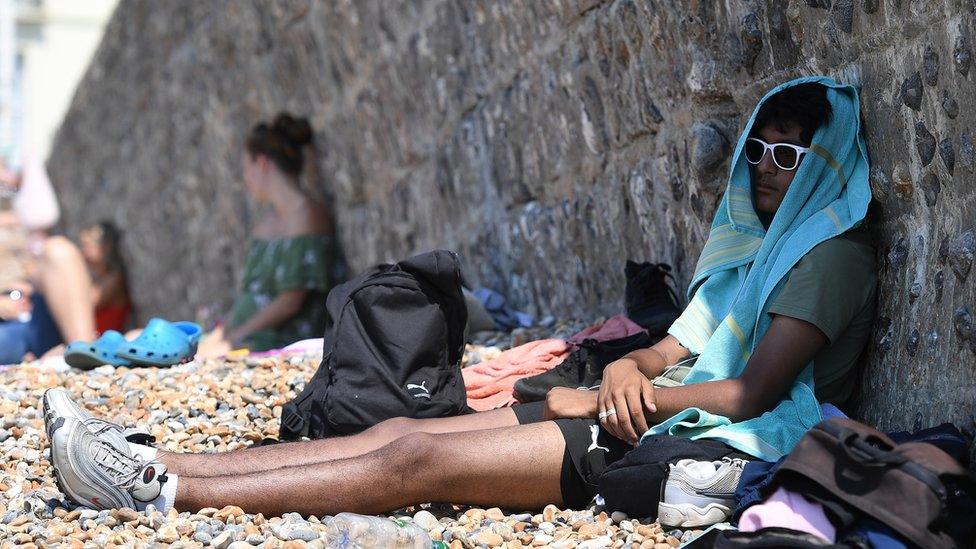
(608, 413)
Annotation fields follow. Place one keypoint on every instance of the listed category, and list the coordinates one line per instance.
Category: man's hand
(563, 402)
(624, 395)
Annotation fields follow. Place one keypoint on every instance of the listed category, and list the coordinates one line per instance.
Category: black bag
(772, 538)
(392, 349)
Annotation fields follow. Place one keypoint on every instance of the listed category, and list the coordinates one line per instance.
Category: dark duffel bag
(392, 349)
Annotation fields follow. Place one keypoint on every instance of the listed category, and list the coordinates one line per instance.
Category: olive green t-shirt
(833, 287)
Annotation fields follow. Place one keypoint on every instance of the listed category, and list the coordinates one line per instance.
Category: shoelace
(98, 426)
(737, 463)
(124, 468)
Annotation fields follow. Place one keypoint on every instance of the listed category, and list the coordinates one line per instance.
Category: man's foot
(58, 403)
(700, 493)
(93, 473)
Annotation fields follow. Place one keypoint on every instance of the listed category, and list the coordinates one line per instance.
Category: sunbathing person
(52, 306)
(781, 308)
(292, 257)
(101, 248)
(50, 298)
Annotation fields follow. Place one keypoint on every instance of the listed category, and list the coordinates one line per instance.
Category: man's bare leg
(62, 278)
(252, 460)
(512, 467)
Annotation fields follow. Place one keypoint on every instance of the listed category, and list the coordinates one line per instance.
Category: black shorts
(590, 452)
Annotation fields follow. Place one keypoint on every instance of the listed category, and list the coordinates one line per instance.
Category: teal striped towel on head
(743, 265)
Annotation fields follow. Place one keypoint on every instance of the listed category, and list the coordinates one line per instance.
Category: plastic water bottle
(352, 531)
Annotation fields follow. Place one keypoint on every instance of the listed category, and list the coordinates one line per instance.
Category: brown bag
(900, 485)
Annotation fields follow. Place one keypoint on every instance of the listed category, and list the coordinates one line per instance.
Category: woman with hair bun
(292, 259)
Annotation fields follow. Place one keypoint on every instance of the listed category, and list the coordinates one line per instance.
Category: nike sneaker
(93, 473)
(700, 493)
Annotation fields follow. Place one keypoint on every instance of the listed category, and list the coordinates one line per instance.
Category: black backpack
(393, 348)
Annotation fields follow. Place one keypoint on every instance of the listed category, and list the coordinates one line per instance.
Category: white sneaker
(700, 493)
(58, 403)
(95, 474)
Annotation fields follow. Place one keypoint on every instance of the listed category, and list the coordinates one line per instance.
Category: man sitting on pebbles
(781, 306)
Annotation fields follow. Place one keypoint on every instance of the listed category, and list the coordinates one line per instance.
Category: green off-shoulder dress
(274, 266)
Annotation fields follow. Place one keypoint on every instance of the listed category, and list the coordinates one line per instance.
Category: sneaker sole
(57, 423)
(687, 515)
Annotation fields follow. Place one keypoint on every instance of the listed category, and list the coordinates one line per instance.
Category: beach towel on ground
(743, 266)
(490, 384)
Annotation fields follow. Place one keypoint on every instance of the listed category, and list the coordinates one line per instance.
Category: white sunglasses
(786, 156)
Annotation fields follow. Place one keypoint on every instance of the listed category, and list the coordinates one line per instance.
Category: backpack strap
(295, 414)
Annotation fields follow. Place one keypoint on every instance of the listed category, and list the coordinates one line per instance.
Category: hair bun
(296, 130)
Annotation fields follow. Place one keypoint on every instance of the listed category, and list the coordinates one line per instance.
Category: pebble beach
(222, 405)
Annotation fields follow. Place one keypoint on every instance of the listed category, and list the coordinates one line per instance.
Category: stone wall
(546, 141)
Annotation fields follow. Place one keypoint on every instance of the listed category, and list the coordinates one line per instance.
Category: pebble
(425, 519)
(602, 541)
(228, 512)
(222, 541)
(126, 514)
(490, 539)
(495, 514)
(304, 534)
(167, 534)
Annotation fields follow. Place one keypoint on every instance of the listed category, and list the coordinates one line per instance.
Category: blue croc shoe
(163, 343)
(86, 355)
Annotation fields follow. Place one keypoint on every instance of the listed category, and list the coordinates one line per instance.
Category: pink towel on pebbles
(615, 327)
(788, 510)
(305, 345)
(490, 384)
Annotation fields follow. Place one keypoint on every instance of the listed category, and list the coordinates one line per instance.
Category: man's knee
(412, 451)
(394, 428)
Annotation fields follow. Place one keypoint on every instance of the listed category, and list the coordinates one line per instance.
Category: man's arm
(787, 347)
(652, 361)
